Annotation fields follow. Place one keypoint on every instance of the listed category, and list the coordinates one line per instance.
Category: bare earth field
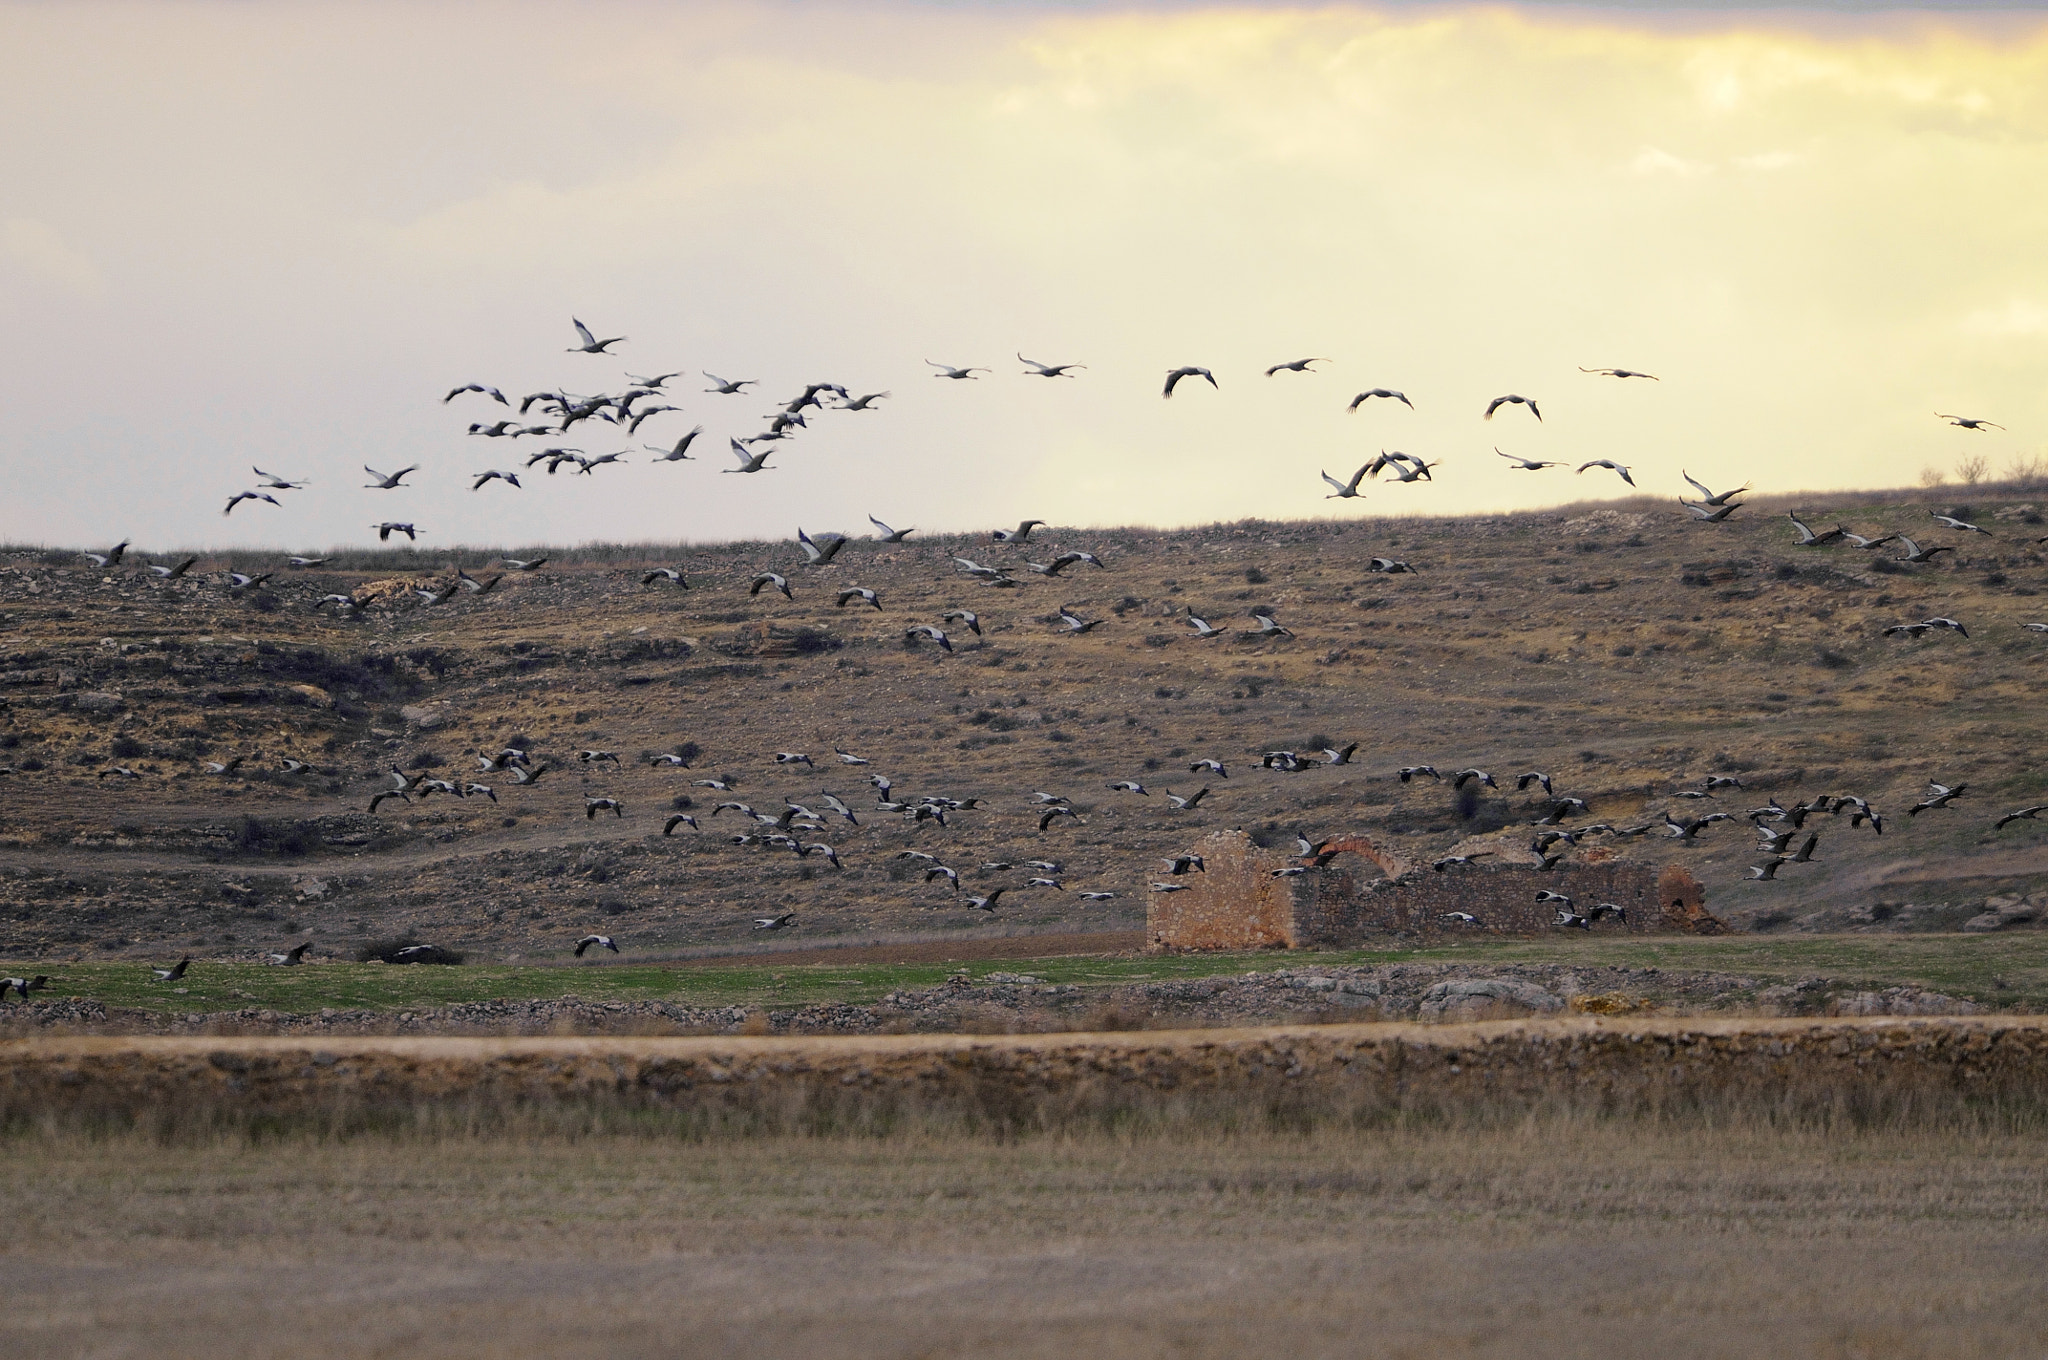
(1618, 647)
(1547, 1237)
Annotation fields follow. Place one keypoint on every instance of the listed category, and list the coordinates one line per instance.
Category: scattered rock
(1475, 997)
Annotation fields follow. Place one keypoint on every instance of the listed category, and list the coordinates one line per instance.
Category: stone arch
(1390, 864)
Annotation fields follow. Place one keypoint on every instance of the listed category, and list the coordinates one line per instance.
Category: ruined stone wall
(1236, 904)
(1240, 903)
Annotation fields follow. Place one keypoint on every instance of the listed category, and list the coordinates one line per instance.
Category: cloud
(1655, 161)
(38, 251)
(1768, 160)
(2018, 317)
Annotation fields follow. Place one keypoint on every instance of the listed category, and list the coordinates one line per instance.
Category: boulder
(98, 701)
(1479, 998)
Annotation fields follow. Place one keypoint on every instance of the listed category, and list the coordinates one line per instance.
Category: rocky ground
(1009, 1003)
(1619, 648)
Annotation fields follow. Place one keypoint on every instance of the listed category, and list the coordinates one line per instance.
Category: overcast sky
(274, 235)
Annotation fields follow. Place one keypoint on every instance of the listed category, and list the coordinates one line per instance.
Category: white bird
(1347, 490)
(172, 973)
(1039, 370)
(1952, 522)
(946, 371)
(1709, 497)
(1387, 392)
(292, 957)
(891, 535)
(111, 557)
(591, 344)
(1202, 627)
(1611, 465)
(384, 483)
(847, 757)
(388, 528)
(749, 460)
(794, 758)
(494, 475)
(673, 575)
(1130, 786)
(1531, 465)
(816, 555)
(519, 564)
(925, 630)
(308, 561)
(785, 921)
(1075, 623)
(1916, 553)
(676, 454)
(864, 402)
(1512, 399)
(728, 389)
(653, 384)
(1268, 626)
(1620, 373)
(241, 496)
(172, 573)
(1808, 538)
(861, 593)
(601, 941)
(491, 392)
(273, 482)
(970, 618)
(769, 578)
(1021, 534)
(241, 580)
(1706, 516)
(1174, 376)
(1968, 422)
(1296, 366)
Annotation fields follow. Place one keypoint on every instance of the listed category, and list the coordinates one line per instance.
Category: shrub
(388, 951)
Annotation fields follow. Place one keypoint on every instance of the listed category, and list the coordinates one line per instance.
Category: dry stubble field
(1550, 1237)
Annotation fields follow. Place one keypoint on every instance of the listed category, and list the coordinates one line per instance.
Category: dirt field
(1543, 1239)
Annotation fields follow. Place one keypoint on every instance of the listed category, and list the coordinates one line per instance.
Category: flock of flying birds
(794, 827)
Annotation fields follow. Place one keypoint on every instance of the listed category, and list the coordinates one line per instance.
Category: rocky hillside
(1623, 649)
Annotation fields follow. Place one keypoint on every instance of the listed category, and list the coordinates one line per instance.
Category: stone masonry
(1366, 894)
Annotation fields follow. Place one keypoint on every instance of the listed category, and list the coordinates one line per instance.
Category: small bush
(125, 747)
(388, 951)
(1253, 576)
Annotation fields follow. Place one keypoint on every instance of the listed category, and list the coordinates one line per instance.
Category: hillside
(1619, 647)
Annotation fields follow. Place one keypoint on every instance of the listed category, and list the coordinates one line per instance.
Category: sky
(239, 235)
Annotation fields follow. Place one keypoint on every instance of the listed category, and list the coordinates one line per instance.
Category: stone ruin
(1367, 893)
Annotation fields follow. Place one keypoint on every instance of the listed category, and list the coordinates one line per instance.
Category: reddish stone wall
(1236, 904)
(1240, 904)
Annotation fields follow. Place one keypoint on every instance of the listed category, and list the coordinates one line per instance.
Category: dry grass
(1546, 1237)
